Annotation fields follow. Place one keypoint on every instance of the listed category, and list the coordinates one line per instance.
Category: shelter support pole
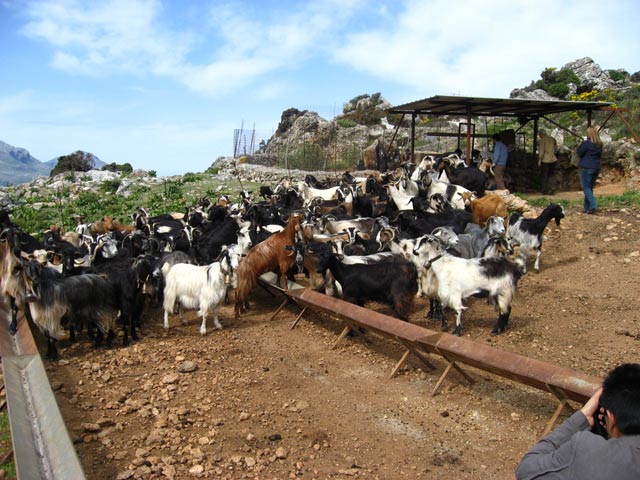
(395, 132)
(611, 113)
(413, 136)
(561, 127)
(624, 120)
(468, 158)
(535, 136)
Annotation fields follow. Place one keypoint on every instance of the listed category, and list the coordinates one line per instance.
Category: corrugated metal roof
(493, 107)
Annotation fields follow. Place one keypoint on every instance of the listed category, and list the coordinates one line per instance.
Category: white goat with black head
(202, 287)
(460, 278)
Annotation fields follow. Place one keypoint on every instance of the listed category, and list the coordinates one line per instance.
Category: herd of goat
(384, 238)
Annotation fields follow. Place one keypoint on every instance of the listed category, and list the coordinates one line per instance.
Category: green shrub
(190, 177)
(617, 75)
(111, 186)
(556, 82)
(308, 156)
(346, 122)
(78, 161)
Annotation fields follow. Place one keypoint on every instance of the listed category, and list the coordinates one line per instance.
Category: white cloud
(479, 48)
(96, 38)
(118, 35)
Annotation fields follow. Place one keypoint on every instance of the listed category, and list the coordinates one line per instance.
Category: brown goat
(266, 256)
(101, 226)
(484, 207)
(11, 285)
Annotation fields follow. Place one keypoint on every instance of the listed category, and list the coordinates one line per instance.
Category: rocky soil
(260, 400)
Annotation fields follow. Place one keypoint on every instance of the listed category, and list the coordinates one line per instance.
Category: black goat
(393, 282)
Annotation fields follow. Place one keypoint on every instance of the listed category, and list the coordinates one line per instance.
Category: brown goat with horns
(264, 257)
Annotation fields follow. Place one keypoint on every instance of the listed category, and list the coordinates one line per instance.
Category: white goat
(203, 287)
(307, 192)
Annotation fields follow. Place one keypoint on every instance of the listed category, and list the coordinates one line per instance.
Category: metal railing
(42, 448)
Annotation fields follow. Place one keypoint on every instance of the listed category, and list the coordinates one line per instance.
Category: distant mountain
(18, 166)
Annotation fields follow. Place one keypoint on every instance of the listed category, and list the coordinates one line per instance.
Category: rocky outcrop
(366, 102)
(591, 76)
(537, 94)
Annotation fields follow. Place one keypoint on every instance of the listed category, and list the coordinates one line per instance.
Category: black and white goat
(474, 241)
(84, 298)
(202, 287)
(528, 233)
(460, 278)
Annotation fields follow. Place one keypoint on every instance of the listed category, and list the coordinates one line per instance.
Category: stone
(104, 422)
(170, 378)
(55, 386)
(196, 470)
(126, 475)
(187, 367)
(90, 427)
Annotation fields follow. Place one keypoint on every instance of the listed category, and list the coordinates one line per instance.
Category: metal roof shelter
(523, 110)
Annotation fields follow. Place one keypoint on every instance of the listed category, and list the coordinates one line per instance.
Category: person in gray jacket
(572, 451)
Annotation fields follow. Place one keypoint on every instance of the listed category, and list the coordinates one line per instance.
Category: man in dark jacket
(573, 452)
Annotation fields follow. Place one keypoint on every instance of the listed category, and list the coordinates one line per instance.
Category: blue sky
(163, 84)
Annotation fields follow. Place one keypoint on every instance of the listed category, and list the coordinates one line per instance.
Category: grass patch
(164, 197)
(629, 199)
(5, 446)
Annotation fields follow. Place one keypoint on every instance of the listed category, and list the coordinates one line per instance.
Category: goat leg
(458, 329)
(501, 324)
(439, 314)
(98, 338)
(431, 314)
(13, 328)
(125, 334)
(52, 350)
(110, 336)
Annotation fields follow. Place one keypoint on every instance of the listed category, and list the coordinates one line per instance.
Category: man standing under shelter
(546, 160)
(500, 157)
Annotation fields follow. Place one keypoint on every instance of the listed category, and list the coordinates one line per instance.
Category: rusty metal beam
(529, 371)
(563, 382)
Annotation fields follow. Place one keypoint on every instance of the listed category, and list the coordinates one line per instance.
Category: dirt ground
(260, 400)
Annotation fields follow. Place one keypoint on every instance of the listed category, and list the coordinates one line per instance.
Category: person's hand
(590, 408)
